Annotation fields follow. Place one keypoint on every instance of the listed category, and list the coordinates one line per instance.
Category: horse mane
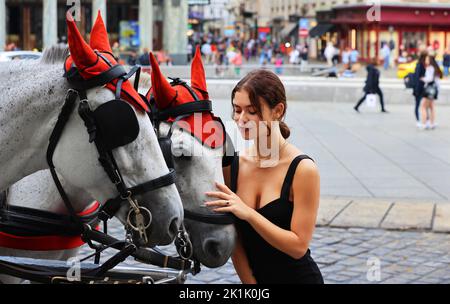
(55, 54)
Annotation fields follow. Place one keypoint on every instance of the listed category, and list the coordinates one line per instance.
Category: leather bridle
(178, 113)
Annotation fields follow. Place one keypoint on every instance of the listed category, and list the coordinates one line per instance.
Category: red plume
(163, 92)
(99, 36)
(80, 51)
(198, 76)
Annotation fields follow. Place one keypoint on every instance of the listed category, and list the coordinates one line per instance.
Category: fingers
(224, 188)
(223, 210)
(219, 195)
(220, 203)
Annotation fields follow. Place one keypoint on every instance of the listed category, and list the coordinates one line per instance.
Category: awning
(288, 29)
(320, 29)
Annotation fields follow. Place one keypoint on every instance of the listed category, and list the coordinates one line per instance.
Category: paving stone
(405, 215)
(352, 261)
(332, 268)
(380, 251)
(329, 209)
(406, 257)
(330, 240)
(353, 251)
(367, 214)
(442, 218)
(352, 241)
(422, 270)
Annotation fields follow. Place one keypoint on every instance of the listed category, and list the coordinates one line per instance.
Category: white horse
(198, 170)
(32, 97)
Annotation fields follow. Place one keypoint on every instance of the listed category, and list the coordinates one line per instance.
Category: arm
(241, 264)
(296, 242)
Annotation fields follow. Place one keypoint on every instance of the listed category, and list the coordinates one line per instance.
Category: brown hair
(437, 69)
(264, 86)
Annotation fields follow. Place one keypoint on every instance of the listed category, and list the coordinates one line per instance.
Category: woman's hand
(229, 202)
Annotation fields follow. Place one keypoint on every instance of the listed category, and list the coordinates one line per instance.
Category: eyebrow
(249, 106)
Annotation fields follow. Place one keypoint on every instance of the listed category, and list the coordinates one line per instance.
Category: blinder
(116, 124)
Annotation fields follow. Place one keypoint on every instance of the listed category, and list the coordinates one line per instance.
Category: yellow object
(404, 69)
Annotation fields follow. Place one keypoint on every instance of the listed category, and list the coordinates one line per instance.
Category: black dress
(269, 265)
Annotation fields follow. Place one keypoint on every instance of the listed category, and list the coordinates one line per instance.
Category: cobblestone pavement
(352, 256)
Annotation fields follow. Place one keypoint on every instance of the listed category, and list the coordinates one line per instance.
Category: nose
(242, 120)
(174, 227)
(212, 248)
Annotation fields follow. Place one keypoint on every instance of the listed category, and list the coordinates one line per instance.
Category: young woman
(432, 74)
(276, 205)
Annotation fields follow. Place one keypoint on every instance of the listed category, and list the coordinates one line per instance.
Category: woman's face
(427, 61)
(247, 119)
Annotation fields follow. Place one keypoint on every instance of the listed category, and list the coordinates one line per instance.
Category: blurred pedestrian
(372, 85)
(419, 85)
(386, 53)
(279, 64)
(446, 62)
(144, 59)
(294, 56)
(329, 53)
(207, 52)
(237, 62)
(354, 61)
(304, 54)
(116, 49)
(431, 93)
(132, 58)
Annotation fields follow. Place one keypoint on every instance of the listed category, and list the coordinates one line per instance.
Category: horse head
(193, 142)
(118, 160)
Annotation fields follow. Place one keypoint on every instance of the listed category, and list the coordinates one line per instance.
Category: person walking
(372, 86)
(431, 93)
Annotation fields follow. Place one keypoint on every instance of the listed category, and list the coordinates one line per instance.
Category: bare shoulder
(307, 175)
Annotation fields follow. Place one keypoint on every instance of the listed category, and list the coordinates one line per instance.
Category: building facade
(36, 24)
(367, 25)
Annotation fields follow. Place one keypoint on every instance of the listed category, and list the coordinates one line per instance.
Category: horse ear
(163, 92)
(198, 76)
(99, 36)
(82, 54)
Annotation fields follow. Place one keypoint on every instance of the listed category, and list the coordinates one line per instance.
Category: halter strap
(78, 83)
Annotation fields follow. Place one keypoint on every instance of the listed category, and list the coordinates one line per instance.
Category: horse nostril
(174, 227)
(212, 248)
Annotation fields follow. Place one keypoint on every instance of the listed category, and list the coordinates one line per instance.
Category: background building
(136, 23)
(405, 25)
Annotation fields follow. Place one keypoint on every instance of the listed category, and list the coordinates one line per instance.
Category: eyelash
(239, 112)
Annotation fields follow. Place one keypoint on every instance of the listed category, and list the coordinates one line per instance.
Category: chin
(246, 135)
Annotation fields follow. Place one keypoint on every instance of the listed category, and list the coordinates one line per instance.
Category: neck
(38, 191)
(34, 94)
(270, 146)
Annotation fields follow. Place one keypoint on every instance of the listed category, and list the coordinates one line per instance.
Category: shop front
(406, 29)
